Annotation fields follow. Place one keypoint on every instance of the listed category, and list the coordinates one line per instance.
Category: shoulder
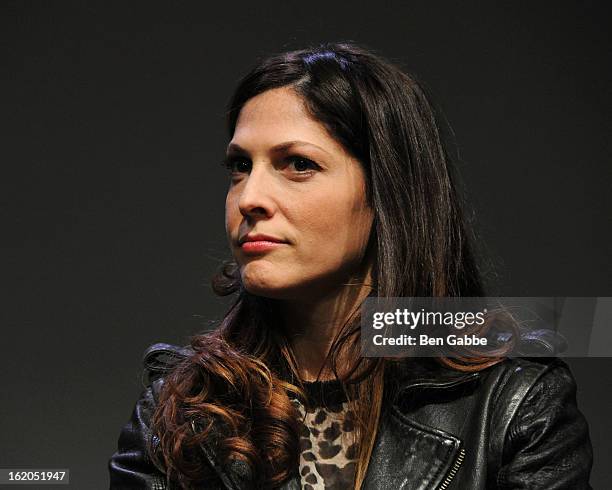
(158, 361)
(524, 384)
(538, 431)
(521, 373)
(519, 380)
(132, 466)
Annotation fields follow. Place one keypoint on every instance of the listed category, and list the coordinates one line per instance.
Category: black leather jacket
(512, 426)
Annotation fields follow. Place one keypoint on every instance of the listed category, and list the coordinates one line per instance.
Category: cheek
(232, 213)
(333, 229)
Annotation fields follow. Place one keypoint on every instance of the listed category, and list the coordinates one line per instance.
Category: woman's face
(291, 181)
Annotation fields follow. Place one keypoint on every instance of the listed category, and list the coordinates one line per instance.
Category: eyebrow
(276, 148)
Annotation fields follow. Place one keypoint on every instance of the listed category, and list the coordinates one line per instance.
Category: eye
(302, 164)
(236, 164)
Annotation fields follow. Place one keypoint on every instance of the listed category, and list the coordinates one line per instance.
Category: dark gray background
(112, 207)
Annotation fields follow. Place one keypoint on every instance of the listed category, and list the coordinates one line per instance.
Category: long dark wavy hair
(238, 383)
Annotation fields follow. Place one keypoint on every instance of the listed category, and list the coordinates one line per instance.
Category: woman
(340, 189)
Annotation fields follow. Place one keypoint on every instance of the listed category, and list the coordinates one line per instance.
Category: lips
(258, 244)
(259, 237)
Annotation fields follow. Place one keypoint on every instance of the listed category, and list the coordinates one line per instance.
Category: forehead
(278, 115)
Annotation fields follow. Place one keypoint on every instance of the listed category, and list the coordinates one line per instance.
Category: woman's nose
(255, 195)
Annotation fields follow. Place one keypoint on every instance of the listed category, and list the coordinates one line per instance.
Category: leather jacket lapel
(408, 455)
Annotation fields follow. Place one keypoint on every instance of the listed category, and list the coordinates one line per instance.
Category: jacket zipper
(453, 470)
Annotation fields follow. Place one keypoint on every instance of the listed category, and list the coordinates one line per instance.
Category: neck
(312, 324)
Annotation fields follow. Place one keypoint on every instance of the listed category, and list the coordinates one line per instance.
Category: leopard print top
(328, 451)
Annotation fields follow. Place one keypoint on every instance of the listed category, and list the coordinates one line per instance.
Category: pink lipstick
(255, 243)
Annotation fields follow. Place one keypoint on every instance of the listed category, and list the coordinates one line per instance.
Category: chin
(276, 283)
(262, 279)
